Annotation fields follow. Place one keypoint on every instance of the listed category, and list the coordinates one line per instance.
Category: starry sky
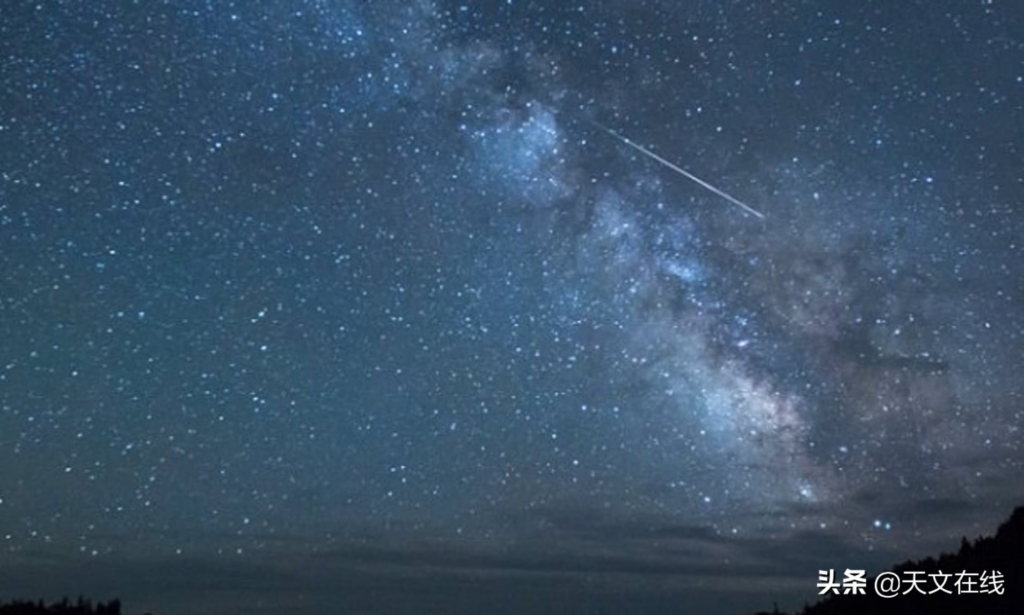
(327, 302)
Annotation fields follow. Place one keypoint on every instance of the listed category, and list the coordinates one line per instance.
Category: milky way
(296, 292)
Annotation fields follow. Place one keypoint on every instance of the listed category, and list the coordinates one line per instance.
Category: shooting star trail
(690, 176)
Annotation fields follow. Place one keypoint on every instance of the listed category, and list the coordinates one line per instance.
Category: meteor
(690, 176)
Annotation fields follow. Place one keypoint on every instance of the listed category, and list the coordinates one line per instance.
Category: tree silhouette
(81, 607)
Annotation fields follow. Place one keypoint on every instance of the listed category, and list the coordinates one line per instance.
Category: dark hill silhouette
(1003, 552)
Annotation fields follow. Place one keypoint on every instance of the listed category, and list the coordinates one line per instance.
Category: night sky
(325, 304)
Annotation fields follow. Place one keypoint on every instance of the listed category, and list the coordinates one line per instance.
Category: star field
(295, 292)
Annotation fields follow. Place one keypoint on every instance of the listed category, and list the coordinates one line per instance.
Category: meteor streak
(690, 176)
